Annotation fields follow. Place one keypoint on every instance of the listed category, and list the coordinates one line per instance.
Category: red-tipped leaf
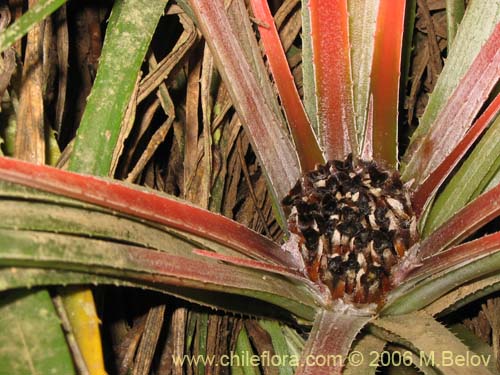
(305, 141)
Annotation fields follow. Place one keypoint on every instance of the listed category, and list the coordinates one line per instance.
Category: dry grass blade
(30, 135)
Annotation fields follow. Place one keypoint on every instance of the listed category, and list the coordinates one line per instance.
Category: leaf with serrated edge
(366, 345)
(464, 295)
(429, 338)
(444, 272)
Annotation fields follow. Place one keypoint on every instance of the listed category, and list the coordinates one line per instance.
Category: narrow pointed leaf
(470, 180)
(26, 277)
(144, 204)
(366, 345)
(465, 222)
(244, 350)
(305, 141)
(467, 47)
(20, 28)
(464, 295)
(331, 337)
(250, 263)
(461, 254)
(45, 250)
(431, 340)
(272, 146)
(385, 80)
(308, 80)
(444, 272)
(329, 22)
(279, 344)
(28, 317)
(434, 181)
(455, 10)
(129, 30)
(362, 24)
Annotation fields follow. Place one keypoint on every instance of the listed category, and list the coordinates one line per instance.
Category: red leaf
(434, 181)
(332, 67)
(255, 264)
(468, 251)
(480, 211)
(454, 120)
(269, 140)
(386, 70)
(145, 205)
(305, 141)
(330, 340)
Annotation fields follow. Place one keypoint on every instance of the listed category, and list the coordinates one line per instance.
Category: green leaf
(455, 10)
(142, 204)
(306, 145)
(244, 351)
(271, 144)
(471, 179)
(31, 335)
(130, 30)
(464, 295)
(444, 272)
(36, 14)
(179, 275)
(367, 345)
(362, 24)
(308, 80)
(432, 342)
(468, 42)
(279, 344)
(25, 277)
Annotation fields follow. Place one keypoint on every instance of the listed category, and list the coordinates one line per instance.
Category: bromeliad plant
(376, 250)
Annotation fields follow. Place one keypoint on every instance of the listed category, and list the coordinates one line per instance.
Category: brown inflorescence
(355, 222)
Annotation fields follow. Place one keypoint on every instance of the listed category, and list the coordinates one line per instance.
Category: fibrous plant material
(355, 222)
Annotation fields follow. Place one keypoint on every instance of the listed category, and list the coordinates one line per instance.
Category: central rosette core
(354, 222)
